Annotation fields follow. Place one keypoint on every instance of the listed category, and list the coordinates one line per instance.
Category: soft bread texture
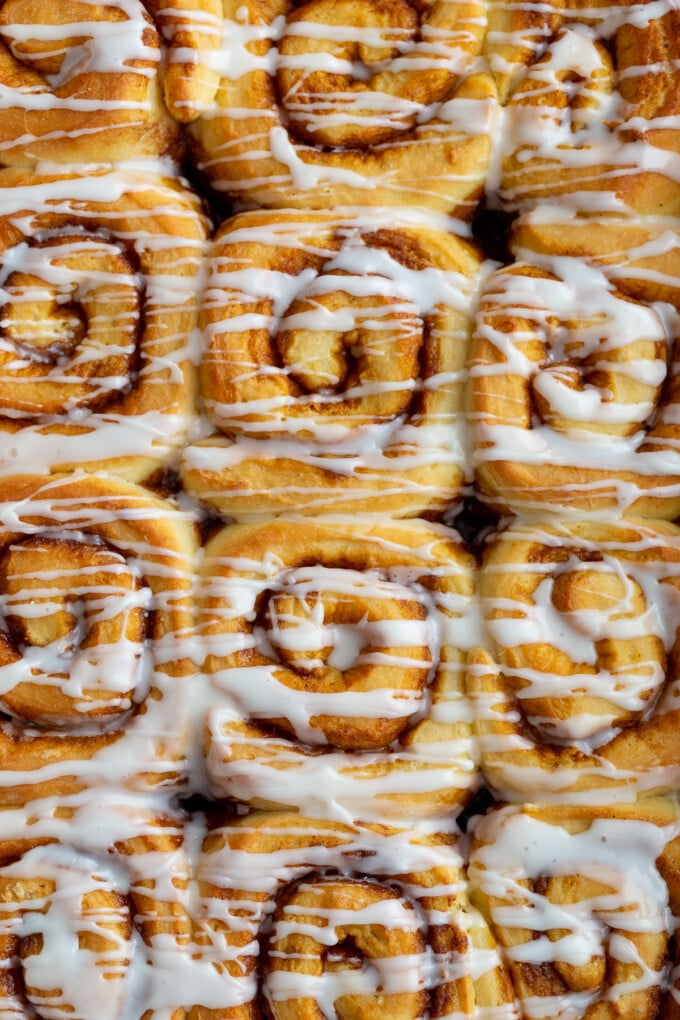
(86, 82)
(279, 768)
(390, 879)
(350, 396)
(575, 686)
(396, 597)
(590, 106)
(573, 371)
(294, 124)
(96, 588)
(101, 292)
(534, 871)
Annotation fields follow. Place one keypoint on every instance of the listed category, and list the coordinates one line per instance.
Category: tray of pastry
(339, 461)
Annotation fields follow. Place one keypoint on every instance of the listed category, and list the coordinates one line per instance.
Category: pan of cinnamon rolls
(340, 510)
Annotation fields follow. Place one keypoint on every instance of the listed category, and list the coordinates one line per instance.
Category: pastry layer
(591, 106)
(95, 588)
(334, 363)
(99, 293)
(342, 102)
(341, 645)
(584, 905)
(574, 371)
(575, 694)
(83, 82)
(354, 921)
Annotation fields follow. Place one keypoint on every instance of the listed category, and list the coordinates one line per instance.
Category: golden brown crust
(192, 31)
(352, 614)
(337, 379)
(113, 109)
(87, 82)
(584, 103)
(104, 263)
(292, 889)
(287, 148)
(78, 923)
(136, 541)
(574, 380)
(574, 691)
(304, 687)
(567, 870)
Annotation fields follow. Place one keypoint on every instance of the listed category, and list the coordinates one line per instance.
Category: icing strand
(98, 294)
(300, 90)
(335, 355)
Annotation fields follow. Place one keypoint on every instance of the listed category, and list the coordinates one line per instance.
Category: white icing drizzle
(573, 613)
(101, 599)
(419, 884)
(574, 892)
(278, 132)
(128, 328)
(579, 343)
(69, 87)
(63, 919)
(354, 308)
(138, 553)
(582, 129)
(88, 83)
(332, 684)
(192, 900)
(184, 915)
(192, 30)
(131, 850)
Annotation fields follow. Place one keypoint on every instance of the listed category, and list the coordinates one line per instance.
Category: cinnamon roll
(99, 923)
(352, 922)
(50, 896)
(341, 646)
(591, 119)
(583, 903)
(576, 696)
(327, 103)
(81, 81)
(334, 366)
(94, 613)
(574, 371)
(98, 288)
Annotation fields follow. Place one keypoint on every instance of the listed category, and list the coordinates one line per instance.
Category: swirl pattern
(574, 373)
(583, 904)
(98, 296)
(94, 603)
(336, 102)
(333, 366)
(100, 933)
(50, 901)
(82, 81)
(266, 743)
(577, 696)
(592, 121)
(348, 932)
(361, 634)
